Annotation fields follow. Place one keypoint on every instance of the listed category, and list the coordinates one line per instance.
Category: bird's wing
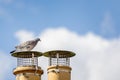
(22, 45)
(30, 42)
(26, 43)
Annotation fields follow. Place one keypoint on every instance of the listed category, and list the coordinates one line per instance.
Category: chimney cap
(22, 54)
(60, 52)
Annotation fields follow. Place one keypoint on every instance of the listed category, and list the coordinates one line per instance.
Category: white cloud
(96, 58)
(24, 35)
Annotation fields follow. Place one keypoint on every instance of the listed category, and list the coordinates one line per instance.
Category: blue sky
(98, 17)
(80, 16)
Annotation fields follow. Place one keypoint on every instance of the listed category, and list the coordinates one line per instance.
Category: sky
(90, 28)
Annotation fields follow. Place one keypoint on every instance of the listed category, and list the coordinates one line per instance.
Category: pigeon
(26, 46)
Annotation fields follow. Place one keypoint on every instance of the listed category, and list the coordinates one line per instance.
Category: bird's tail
(13, 51)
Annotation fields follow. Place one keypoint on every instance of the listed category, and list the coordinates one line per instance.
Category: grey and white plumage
(26, 46)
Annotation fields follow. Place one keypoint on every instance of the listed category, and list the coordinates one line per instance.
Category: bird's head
(37, 39)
